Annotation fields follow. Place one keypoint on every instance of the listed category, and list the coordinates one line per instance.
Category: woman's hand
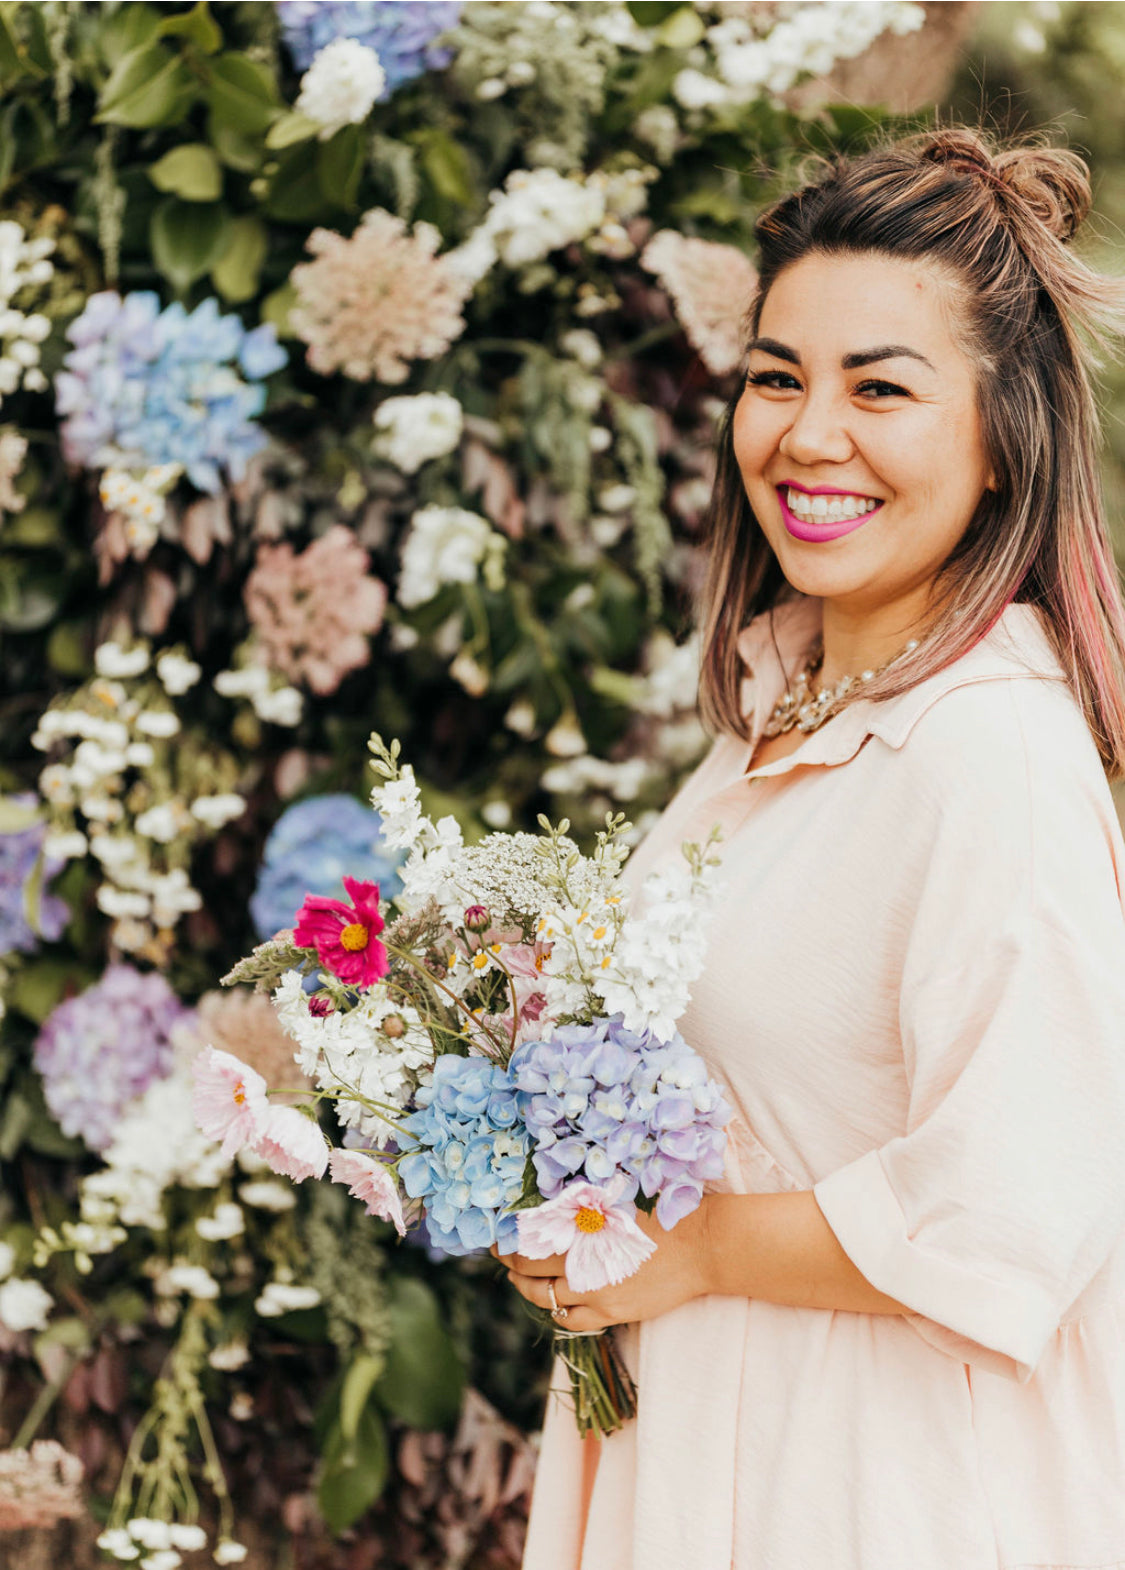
(673, 1275)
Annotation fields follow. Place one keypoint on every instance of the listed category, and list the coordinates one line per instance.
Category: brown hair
(998, 224)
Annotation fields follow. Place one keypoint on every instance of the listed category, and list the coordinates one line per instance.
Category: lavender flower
(145, 386)
(18, 855)
(599, 1100)
(311, 847)
(401, 32)
(472, 1153)
(100, 1050)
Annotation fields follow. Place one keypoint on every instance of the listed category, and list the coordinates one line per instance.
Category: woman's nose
(817, 433)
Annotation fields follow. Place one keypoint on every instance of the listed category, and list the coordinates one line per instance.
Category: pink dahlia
(712, 287)
(293, 1144)
(370, 304)
(369, 1181)
(345, 937)
(229, 1099)
(602, 1242)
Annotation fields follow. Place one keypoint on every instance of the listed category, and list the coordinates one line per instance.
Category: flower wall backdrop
(360, 365)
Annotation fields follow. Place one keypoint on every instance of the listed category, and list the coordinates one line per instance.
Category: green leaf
(147, 87)
(15, 1120)
(242, 92)
(448, 168)
(197, 25)
(363, 1371)
(235, 148)
(276, 308)
(30, 594)
(649, 13)
(33, 895)
(187, 240)
(289, 129)
(423, 1381)
(37, 988)
(339, 164)
(192, 172)
(34, 526)
(67, 649)
(238, 271)
(682, 29)
(123, 28)
(295, 194)
(354, 1473)
(16, 816)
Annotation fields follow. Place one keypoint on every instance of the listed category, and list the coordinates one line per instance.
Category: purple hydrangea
(144, 386)
(100, 1050)
(600, 1100)
(18, 854)
(401, 32)
(471, 1158)
(310, 848)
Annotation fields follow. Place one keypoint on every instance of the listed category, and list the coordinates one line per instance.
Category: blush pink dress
(915, 997)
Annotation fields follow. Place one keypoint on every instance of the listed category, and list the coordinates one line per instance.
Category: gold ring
(557, 1309)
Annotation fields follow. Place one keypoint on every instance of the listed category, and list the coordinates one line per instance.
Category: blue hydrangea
(18, 855)
(310, 848)
(600, 1100)
(471, 1158)
(100, 1050)
(401, 32)
(144, 386)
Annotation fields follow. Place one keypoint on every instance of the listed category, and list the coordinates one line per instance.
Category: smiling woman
(894, 1335)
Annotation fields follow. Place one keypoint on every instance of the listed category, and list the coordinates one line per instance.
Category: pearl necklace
(807, 710)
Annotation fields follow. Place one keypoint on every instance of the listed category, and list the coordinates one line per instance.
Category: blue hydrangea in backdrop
(310, 848)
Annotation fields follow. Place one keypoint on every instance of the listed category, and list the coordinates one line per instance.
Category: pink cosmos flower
(293, 1144)
(602, 1242)
(229, 1099)
(368, 1180)
(345, 936)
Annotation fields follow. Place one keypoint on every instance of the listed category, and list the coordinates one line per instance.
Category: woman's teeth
(829, 508)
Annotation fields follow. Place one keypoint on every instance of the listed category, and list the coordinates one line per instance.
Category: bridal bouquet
(500, 1050)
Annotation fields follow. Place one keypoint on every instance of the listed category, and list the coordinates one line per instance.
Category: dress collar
(775, 646)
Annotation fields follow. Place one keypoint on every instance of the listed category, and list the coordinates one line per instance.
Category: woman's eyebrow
(850, 362)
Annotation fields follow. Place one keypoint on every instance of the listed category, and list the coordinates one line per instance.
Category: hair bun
(1053, 182)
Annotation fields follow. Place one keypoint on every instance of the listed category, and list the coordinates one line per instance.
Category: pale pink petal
(369, 1180)
(229, 1099)
(599, 1259)
(546, 1230)
(293, 1144)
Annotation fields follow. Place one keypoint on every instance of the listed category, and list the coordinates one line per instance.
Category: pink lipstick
(831, 528)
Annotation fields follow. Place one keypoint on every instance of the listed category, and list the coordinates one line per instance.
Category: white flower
(470, 674)
(150, 1533)
(162, 823)
(214, 811)
(227, 1221)
(565, 738)
(341, 86)
(163, 1559)
(188, 1536)
(110, 659)
(66, 846)
(522, 718)
(694, 90)
(157, 722)
(229, 1357)
(140, 754)
(617, 498)
(117, 1542)
(415, 429)
(7, 1259)
(443, 545)
(582, 345)
(197, 1282)
(491, 87)
(172, 896)
(268, 1195)
(177, 672)
(251, 681)
(497, 814)
(121, 902)
(281, 1297)
(229, 1552)
(24, 1305)
(281, 707)
(539, 211)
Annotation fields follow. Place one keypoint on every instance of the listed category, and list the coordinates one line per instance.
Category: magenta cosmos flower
(369, 1181)
(345, 937)
(229, 1099)
(602, 1242)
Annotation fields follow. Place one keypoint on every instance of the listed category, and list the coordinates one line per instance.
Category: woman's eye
(780, 380)
(876, 389)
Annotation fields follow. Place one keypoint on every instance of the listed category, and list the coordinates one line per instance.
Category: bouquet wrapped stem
(604, 1395)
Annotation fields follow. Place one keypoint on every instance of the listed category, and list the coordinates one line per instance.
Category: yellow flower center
(480, 960)
(240, 1093)
(599, 934)
(354, 937)
(589, 1220)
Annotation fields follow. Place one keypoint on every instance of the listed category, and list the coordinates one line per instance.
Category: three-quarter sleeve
(1005, 1195)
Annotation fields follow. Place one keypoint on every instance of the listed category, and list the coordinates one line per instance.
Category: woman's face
(857, 433)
